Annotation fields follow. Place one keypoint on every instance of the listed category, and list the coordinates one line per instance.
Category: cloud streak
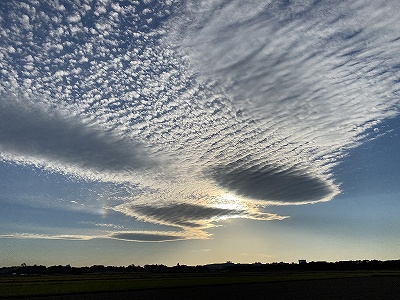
(47, 236)
(131, 236)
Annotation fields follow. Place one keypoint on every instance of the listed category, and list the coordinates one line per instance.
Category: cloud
(260, 99)
(72, 237)
(195, 217)
(133, 236)
(157, 236)
(309, 83)
(184, 215)
(273, 184)
(31, 133)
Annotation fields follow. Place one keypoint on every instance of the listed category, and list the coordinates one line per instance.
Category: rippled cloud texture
(192, 112)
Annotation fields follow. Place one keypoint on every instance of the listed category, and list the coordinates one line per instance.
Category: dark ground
(379, 287)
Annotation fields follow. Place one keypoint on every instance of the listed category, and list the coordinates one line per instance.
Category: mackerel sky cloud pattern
(192, 112)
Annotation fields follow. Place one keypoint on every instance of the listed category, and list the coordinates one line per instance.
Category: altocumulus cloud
(313, 75)
(215, 108)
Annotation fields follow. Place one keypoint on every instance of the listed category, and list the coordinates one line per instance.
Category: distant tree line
(356, 265)
(96, 269)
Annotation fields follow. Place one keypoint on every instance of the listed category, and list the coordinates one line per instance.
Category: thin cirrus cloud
(47, 236)
(209, 98)
(136, 236)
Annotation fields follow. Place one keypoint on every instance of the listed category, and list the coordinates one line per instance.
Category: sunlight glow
(229, 201)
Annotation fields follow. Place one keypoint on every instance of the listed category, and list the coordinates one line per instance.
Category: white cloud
(133, 236)
(312, 83)
(255, 98)
(71, 237)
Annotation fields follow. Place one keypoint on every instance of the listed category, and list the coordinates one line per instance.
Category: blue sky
(198, 131)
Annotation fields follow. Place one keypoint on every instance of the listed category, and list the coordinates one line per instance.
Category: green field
(22, 286)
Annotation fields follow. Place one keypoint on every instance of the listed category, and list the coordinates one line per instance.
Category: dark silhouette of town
(302, 265)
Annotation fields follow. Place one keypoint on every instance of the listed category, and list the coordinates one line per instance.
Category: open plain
(279, 285)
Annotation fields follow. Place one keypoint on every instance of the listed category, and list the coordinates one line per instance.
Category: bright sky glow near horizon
(199, 131)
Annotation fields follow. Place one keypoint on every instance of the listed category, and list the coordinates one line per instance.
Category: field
(356, 285)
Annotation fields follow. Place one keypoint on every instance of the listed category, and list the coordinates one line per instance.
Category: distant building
(302, 261)
(219, 267)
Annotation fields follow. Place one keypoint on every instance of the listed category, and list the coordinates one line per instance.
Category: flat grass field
(20, 286)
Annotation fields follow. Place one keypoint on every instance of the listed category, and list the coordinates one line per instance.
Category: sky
(193, 132)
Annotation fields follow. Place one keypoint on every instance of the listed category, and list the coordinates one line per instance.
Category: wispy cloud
(47, 236)
(133, 236)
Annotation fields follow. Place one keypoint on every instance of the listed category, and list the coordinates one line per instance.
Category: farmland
(278, 285)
